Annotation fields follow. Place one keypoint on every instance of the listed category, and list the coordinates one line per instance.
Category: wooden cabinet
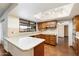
(51, 24)
(53, 39)
(76, 46)
(39, 50)
(76, 23)
(45, 25)
(49, 39)
(41, 26)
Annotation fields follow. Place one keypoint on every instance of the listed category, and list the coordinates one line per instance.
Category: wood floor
(61, 49)
(58, 51)
(3, 52)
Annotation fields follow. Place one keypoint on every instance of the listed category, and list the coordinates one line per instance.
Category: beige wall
(13, 26)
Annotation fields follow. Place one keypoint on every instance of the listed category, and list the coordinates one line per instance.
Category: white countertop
(29, 34)
(48, 32)
(25, 43)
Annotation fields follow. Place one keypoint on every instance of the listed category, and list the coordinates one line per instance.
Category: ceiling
(28, 10)
(3, 7)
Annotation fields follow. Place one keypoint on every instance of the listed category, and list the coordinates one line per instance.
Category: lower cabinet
(5, 44)
(53, 39)
(76, 46)
(39, 50)
(49, 39)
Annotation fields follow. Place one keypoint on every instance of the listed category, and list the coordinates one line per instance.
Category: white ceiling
(28, 10)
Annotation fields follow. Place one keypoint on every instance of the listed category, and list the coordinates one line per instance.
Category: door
(60, 33)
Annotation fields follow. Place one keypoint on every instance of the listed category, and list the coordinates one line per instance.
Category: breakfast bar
(26, 46)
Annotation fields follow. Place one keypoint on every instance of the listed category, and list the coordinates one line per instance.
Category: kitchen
(39, 36)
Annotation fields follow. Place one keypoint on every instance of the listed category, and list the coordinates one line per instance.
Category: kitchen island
(26, 46)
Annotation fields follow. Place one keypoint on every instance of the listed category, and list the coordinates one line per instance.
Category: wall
(70, 30)
(1, 33)
(4, 27)
(4, 30)
(13, 26)
(60, 30)
(10, 28)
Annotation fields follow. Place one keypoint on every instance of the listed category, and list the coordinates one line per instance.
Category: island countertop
(25, 43)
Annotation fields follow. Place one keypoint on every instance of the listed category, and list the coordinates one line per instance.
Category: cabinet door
(77, 23)
(51, 24)
(75, 44)
(39, 50)
(39, 26)
(47, 39)
(43, 25)
(77, 48)
(52, 40)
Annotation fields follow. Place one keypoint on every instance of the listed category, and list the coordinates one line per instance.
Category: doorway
(62, 34)
(66, 34)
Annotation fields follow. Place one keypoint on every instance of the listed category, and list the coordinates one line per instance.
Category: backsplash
(50, 31)
(13, 32)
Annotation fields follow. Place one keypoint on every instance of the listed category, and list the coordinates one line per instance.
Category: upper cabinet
(47, 25)
(26, 26)
(51, 24)
(76, 23)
